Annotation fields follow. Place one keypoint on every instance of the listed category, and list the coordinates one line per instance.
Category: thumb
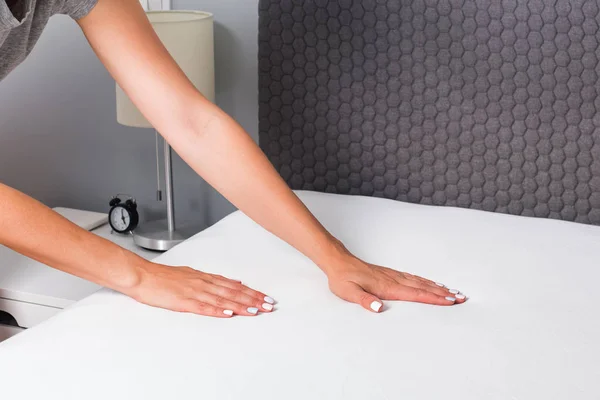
(353, 293)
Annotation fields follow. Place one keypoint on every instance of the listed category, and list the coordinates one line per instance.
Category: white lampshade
(188, 36)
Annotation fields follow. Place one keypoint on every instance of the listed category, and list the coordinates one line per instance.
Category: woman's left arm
(219, 150)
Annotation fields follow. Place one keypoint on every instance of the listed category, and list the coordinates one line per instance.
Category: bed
(529, 330)
(469, 105)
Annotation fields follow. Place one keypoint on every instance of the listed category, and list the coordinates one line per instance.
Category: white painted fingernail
(228, 312)
(267, 306)
(450, 299)
(252, 310)
(454, 291)
(376, 306)
(440, 284)
(269, 300)
(461, 296)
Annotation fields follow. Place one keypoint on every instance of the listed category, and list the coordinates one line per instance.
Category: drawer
(7, 331)
(27, 314)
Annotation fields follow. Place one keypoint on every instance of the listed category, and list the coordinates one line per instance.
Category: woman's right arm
(34, 230)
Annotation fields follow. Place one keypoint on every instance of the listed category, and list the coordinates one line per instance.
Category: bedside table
(32, 292)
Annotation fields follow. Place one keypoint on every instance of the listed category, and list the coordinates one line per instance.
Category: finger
(353, 293)
(240, 297)
(227, 304)
(419, 279)
(437, 288)
(209, 310)
(429, 285)
(443, 292)
(407, 293)
(259, 296)
(434, 287)
(460, 296)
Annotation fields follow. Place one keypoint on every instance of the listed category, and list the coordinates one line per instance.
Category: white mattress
(529, 331)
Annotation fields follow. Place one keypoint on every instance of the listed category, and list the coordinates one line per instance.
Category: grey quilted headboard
(490, 104)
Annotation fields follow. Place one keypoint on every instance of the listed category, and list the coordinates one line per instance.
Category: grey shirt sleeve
(77, 9)
(7, 18)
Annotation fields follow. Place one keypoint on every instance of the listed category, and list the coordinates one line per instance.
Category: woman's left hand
(366, 284)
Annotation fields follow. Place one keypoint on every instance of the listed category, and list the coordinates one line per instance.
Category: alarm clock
(123, 216)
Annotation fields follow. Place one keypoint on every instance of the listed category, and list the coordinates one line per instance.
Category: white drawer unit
(32, 292)
(7, 331)
(27, 314)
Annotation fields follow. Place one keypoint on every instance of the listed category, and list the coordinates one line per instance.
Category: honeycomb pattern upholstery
(483, 104)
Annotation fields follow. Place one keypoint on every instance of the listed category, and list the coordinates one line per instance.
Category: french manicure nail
(252, 310)
(461, 296)
(440, 284)
(376, 306)
(269, 300)
(454, 291)
(228, 312)
(450, 299)
(267, 306)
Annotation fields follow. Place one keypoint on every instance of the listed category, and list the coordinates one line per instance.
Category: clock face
(120, 219)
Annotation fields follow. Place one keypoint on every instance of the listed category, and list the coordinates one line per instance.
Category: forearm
(217, 148)
(36, 231)
(214, 145)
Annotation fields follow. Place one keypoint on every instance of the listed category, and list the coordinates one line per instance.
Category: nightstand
(32, 292)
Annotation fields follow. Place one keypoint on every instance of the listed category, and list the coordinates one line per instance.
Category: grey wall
(60, 143)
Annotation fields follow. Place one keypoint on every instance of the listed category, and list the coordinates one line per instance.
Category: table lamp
(188, 36)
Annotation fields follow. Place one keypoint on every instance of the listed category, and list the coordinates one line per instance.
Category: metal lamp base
(156, 235)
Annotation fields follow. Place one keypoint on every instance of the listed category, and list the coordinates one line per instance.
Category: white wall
(59, 140)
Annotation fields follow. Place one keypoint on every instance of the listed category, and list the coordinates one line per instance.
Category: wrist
(333, 257)
(127, 275)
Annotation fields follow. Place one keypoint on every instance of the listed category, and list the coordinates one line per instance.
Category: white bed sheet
(529, 331)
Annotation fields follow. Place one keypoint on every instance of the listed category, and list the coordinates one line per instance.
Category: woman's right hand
(36, 231)
(184, 289)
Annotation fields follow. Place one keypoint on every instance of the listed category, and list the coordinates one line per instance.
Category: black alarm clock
(123, 216)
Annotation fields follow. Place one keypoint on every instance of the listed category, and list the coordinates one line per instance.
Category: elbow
(197, 121)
